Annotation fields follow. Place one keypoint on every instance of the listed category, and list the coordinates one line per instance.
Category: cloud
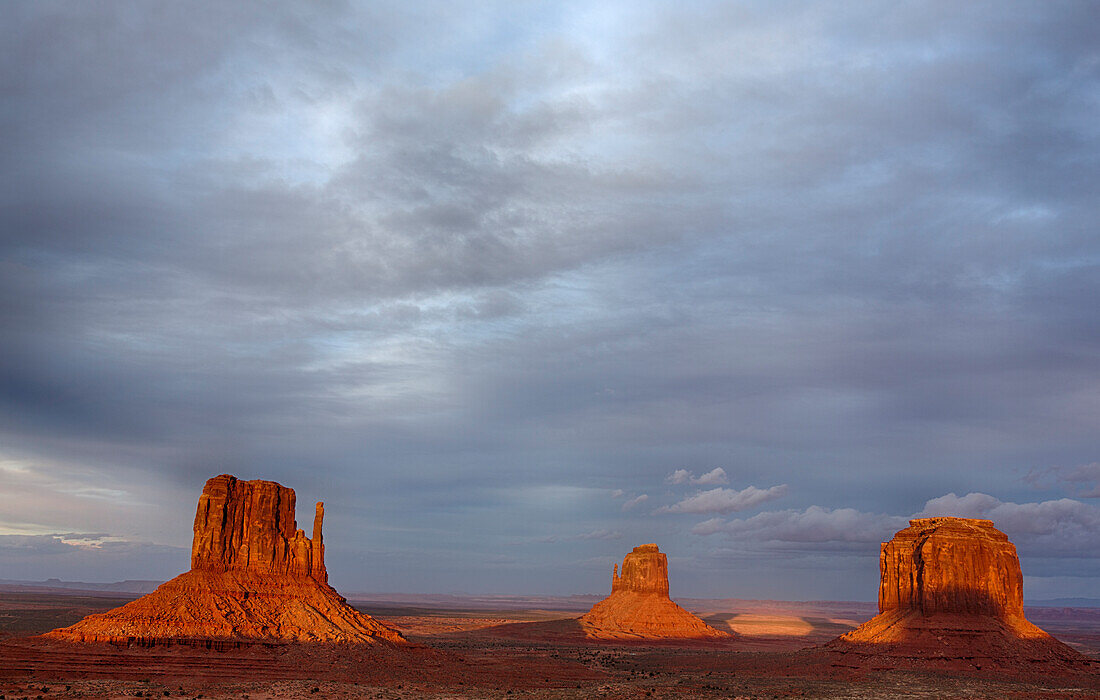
(601, 534)
(1058, 528)
(720, 500)
(636, 501)
(404, 265)
(1083, 480)
(1087, 478)
(88, 556)
(598, 534)
(709, 527)
(73, 542)
(33, 544)
(712, 478)
(680, 476)
(618, 493)
(812, 525)
(1063, 527)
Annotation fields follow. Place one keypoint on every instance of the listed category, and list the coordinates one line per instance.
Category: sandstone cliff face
(639, 606)
(951, 565)
(951, 588)
(250, 526)
(645, 570)
(254, 577)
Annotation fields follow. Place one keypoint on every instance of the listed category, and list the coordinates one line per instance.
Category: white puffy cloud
(680, 476)
(709, 527)
(636, 501)
(715, 477)
(814, 524)
(722, 500)
(1062, 526)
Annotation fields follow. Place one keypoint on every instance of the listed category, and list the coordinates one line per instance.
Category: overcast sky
(515, 287)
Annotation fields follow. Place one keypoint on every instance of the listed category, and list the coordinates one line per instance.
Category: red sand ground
(514, 653)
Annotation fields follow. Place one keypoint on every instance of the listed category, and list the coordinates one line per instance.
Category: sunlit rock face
(254, 577)
(645, 570)
(250, 526)
(639, 606)
(951, 565)
(951, 591)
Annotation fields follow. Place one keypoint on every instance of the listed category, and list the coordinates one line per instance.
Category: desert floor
(512, 648)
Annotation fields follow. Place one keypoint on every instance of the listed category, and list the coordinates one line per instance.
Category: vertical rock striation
(645, 570)
(250, 526)
(951, 565)
(254, 577)
(639, 606)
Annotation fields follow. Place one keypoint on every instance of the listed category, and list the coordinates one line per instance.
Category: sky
(514, 287)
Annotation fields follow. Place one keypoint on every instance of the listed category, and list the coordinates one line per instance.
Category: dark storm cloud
(468, 272)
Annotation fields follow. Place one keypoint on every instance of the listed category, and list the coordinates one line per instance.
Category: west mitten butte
(254, 577)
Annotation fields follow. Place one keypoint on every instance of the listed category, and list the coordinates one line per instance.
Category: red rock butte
(639, 606)
(255, 577)
(951, 588)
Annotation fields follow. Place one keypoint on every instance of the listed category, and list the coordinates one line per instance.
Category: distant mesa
(951, 591)
(639, 606)
(255, 577)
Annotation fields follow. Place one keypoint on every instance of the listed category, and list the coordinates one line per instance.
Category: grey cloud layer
(1041, 530)
(721, 500)
(436, 264)
(1060, 527)
(31, 557)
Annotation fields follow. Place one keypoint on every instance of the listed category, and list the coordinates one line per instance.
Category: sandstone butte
(639, 606)
(255, 577)
(951, 588)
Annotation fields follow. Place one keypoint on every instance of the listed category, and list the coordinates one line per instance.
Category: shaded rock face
(639, 606)
(951, 591)
(255, 577)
